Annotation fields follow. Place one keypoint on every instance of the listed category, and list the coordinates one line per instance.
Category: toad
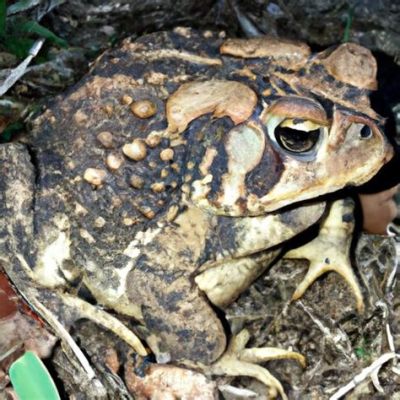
(168, 179)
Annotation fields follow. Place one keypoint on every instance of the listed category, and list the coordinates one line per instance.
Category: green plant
(31, 380)
(18, 33)
(349, 22)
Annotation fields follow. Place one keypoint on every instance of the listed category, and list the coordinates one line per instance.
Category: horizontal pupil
(295, 140)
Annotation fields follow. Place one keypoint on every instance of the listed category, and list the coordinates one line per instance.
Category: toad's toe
(239, 361)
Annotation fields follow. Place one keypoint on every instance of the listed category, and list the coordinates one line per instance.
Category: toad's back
(114, 159)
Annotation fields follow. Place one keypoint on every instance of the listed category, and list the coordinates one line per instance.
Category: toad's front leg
(330, 250)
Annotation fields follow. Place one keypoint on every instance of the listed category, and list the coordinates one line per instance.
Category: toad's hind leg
(19, 253)
(17, 191)
(330, 250)
(239, 361)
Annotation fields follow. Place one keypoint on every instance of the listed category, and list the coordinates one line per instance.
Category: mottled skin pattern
(139, 246)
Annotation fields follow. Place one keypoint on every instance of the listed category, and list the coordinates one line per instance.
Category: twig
(367, 372)
(20, 70)
(10, 351)
(63, 335)
(372, 371)
(393, 231)
(336, 339)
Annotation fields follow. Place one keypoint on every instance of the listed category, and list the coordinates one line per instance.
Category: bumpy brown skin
(137, 223)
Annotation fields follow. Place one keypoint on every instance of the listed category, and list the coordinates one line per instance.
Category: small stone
(143, 108)
(77, 179)
(136, 181)
(167, 154)
(136, 150)
(190, 165)
(7, 60)
(153, 141)
(106, 139)
(112, 360)
(114, 161)
(158, 187)
(152, 164)
(127, 100)
(164, 173)
(95, 176)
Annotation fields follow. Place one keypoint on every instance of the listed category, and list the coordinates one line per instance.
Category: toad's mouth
(296, 186)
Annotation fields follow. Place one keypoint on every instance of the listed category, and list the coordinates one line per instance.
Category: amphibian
(165, 181)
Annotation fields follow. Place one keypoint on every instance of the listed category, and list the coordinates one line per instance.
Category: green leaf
(18, 46)
(35, 27)
(2, 17)
(21, 5)
(361, 352)
(10, 131)
(349, 22)
(31, 380)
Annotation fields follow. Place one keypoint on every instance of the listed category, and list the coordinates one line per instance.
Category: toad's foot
(330, 250)
(239, 361)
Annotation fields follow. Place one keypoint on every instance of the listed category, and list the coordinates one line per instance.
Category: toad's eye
(298, 136)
